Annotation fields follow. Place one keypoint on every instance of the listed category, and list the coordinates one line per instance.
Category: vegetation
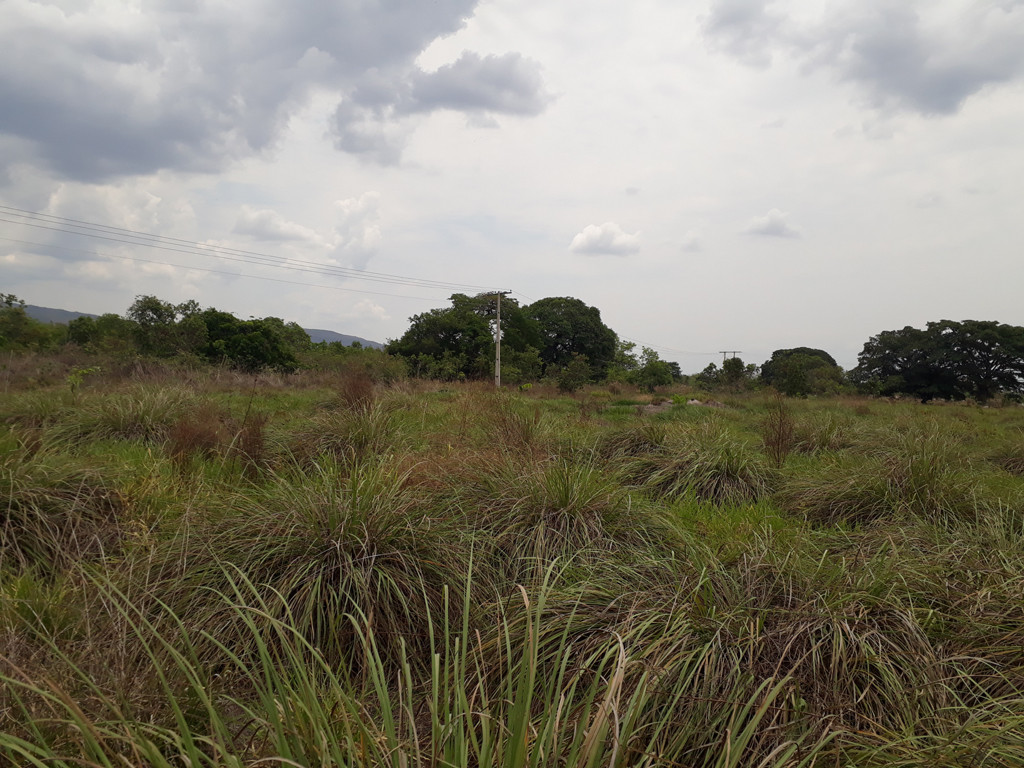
(338, 569)
(558, 340)
(802, 371)
(947, 360)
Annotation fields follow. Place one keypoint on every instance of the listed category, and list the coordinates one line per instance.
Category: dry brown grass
(199, 434)
(356, 391)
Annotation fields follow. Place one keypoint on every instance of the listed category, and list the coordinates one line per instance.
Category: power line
(121, 235)
(97, 231)
(224, 272)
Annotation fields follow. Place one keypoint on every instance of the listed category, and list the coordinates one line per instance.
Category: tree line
(558, 339)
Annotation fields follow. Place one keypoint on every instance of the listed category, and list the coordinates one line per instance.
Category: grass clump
(141, 413)
(332, 543)
(535, 512)
(53, 513)
(712, 467)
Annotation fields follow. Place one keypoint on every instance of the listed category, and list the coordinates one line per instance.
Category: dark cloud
(107, 92)
(369, 123)
(744, 29)
(508, 85)
(914, 56)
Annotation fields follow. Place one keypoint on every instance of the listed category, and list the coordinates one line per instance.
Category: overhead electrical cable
(224, 272)
(93, 230)
(81, 228)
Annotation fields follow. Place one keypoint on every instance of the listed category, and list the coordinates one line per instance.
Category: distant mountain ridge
(318, 335)
(64, 316)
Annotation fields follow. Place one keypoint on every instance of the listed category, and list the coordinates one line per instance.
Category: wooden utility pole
(726, 352)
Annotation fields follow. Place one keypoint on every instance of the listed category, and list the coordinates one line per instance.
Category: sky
(712, 175)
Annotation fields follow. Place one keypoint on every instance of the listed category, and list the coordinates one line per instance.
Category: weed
(778, 432)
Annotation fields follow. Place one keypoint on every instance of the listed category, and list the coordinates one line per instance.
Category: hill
(63, 316)
(318, 335)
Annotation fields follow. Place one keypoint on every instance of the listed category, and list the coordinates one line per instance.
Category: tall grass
(301, 710)
(450, 577)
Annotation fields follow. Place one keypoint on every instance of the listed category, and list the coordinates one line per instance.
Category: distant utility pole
(725, 353)
(497, 342)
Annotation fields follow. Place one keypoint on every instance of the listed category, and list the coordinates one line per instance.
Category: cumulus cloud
(509, 85)
(609, 238)
(372, 123)
(773, 224)
(270, 226)
(916, 56)
(107, 92)
(357, 232)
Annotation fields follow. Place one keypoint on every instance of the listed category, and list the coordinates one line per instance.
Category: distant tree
(652, 371)
(802, 371)
(709, 378)
(569, 328)
(458, 342)
(19, 331)
(625, 363)
(247, 345)
(948, 359)
(448, 343)
(575, 375)
(736, 374)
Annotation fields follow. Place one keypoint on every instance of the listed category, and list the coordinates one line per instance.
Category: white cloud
(367, 309)
(692, 242)
(270, 226)
(357, 233)
(773, 224)
(609, 238)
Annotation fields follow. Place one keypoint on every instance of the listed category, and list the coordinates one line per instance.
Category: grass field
(228, 572)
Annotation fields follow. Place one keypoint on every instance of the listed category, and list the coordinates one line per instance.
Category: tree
(710, 377)
(163, 329)
(19, 331)
(567, 328)
(802, 371)
(248, 345)
(948, 359)
(447, 343)
(653, 371)
(624, 364)
(458, 341)
(575, 375)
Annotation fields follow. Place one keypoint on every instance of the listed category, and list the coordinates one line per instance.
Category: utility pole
(497, 342)
(732, 352)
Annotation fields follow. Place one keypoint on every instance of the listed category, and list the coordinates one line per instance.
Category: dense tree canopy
(569, 328)
(19, 331)
(458, 341)
(951, 360)
(802, 371)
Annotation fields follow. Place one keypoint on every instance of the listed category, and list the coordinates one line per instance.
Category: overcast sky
(712, 175)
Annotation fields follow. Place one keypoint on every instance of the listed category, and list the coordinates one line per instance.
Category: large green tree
(19, 331)
(948, 359)
(458, 341)
(569, 328)
(802, 371)
(249, 345)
